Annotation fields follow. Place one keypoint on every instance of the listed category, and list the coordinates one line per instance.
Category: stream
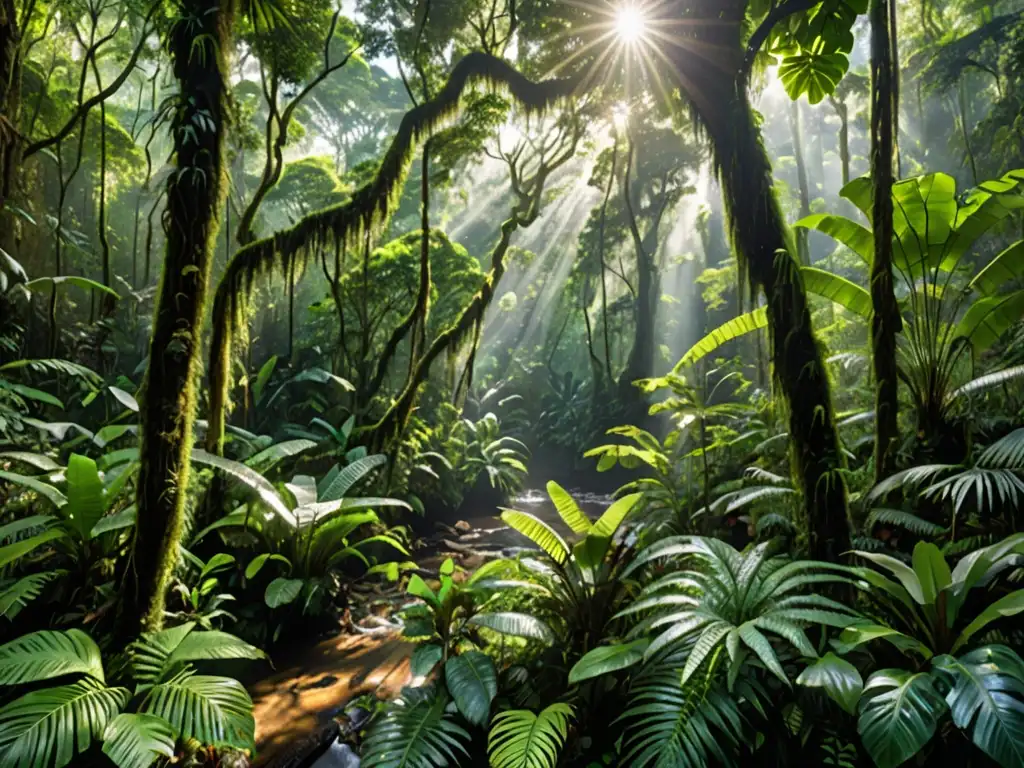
(471, 542)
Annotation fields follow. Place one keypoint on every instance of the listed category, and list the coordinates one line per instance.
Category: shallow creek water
(487, 538)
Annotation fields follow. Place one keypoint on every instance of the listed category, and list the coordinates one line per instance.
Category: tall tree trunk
(10, 110)
(885, 322)
(796, 130)
(640, 363)
(843, 112)
(200, 42)
(718, 94)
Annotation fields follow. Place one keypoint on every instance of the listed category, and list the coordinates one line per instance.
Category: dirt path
(305, 694)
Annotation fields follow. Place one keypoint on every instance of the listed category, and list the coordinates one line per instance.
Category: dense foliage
(291, 289)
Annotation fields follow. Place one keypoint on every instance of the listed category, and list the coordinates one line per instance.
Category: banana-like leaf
(932, 571)
(268, 457)
(988, 319)
(473, 683)
(521, 739)
(568, 509)
(49, 726)
(213, 710)
(47, 654)
(1007, 605)
(993, 379)
(79, 282)
(843, 292)
(86, 498)
(733, 329)
(899, 712)
(256, 564)
(40, 461)
(539, 532)
(1003, 270)
(591, 552)
(137, 741)
(837, 677)
(116, 522)
(986, 699)
(856, 237)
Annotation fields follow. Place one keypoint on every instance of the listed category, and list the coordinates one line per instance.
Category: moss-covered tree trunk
(885, 322)
(718, 94)
(199, 44)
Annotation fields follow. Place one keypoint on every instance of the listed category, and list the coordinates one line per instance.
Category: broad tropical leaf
(45, 490)
(592, 550)
(473, 683)
(987, 700)
(86, 500)
(899, 712)
(568, 509)
(608, 658)
(47, 654)
(10, 553)
(839, 679)
(282, 591)
(138, 741)
(843, 292)
(350, 475)
(539, 532)
(49, 726)
(854, 236)
(733, 329)
(521, 739)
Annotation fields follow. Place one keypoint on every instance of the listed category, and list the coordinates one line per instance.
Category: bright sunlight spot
(630, 23)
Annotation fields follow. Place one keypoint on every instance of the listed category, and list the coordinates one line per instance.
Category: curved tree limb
(760, 36)
(368, 208)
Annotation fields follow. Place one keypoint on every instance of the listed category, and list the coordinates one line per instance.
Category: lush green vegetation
(289, 288)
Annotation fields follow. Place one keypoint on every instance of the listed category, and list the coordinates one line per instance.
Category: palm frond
(908, 521)
(521, 739)
(416, 732)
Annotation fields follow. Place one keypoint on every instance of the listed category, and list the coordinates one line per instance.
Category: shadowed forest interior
(633, 382)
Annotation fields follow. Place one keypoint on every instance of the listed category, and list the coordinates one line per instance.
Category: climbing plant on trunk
(199, 44)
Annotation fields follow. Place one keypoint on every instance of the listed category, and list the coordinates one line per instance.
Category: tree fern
(416, 732)
(521, 739)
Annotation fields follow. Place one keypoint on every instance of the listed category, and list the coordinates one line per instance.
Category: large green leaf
(213, 710)
(843, 292)
(568, 509)
(260, 384)
(592, 550)
(1005, 269)
(79, 282)
(899, 712)
(839, 679)
(856, 237)
(728, 331)
(47, 727)
(932, 571)
(608, 658)
(987, 700)
(812, 73)
(272, 455)
(40, 461)
(516, 624)
(47, 654)
(282, 591)
(539, 532)
(1007, 605)
(521, 739)
(155, 655)
(116, 522)
(856, 636)
(86, 501)
(138, 741)
(473, 683)
(989, 318)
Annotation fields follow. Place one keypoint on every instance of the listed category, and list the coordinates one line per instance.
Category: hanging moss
(366, 212)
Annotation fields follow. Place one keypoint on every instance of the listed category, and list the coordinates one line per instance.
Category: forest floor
(297, 706)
